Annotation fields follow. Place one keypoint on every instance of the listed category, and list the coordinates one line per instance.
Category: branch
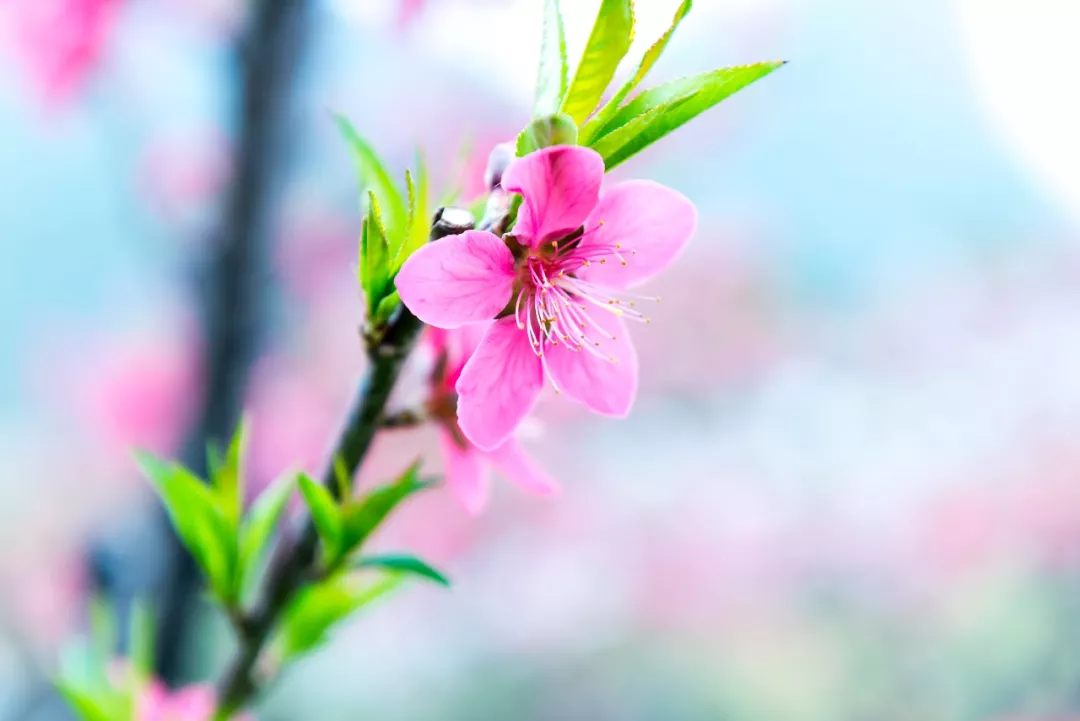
(293, 558)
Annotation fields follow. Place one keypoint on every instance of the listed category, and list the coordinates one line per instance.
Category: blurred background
(850, 488)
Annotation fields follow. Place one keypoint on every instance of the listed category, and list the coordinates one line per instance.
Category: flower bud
(500, 158)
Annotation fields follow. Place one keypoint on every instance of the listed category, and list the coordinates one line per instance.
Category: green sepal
(608, 43)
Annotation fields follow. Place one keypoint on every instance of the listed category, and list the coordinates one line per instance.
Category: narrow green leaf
(83, 703)
(198, 518)
(141, 640)
(386, 308)
(324, 512)
(608, 44)
(597, 123)
(364, 516)
(343, 477)
(228, 480)
(259, 525)
(375, 252)
(419, 214)
(103, 632)
(315, 610)
(551, 80)
(376, 179)
(404, 564)
(672, 105)
(613, 143)
(544, 132)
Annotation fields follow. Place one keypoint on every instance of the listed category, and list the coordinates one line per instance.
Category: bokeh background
(850, 488)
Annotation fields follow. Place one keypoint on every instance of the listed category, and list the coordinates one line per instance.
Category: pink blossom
(157, 703)
(60, 40)
(466, 464)
(556, 287)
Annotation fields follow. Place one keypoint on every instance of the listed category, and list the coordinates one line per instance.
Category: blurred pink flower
(466, 465)
(194, 703)
(409, 11)
(142, 395)
(182, 174)
(60, 41)
(566, 290)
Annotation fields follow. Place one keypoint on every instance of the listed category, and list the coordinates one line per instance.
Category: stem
(293, 558)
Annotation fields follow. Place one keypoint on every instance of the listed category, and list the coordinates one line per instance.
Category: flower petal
(499, 385)
(515, 464)
(460, 279)
(560, 186)
(464, 473)
(651, 222)
(606, 386)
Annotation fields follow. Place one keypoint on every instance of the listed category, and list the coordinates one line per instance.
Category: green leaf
(594, 126)
(419, 213)
(259, 525)
(670, 106)
(315, 610)
(141, 640)
(551, 80)
(83, 703)
(324, 512)
(545, 132)
(375, 256)
(376, 179)
(608, 43)
(198, 518)
(103, 633)
(386, 308)
(228, 477)
(403, 564)
(614, 143)
(364, 516)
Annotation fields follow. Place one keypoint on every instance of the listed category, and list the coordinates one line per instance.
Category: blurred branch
(268, 56)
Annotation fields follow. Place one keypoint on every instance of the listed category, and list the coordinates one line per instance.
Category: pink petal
(605, 386)
(515, 464)
(499, 385)
(461, 279)
(464, 473)
(560, 186)
(651, 222)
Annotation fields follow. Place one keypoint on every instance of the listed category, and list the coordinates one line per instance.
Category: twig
(294, 557)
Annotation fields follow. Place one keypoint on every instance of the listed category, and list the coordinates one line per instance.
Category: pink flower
(61, 40)
(466, 464)
(556, 288)
(157, 703)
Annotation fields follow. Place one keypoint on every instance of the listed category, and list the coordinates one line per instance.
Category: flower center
(556, 305)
